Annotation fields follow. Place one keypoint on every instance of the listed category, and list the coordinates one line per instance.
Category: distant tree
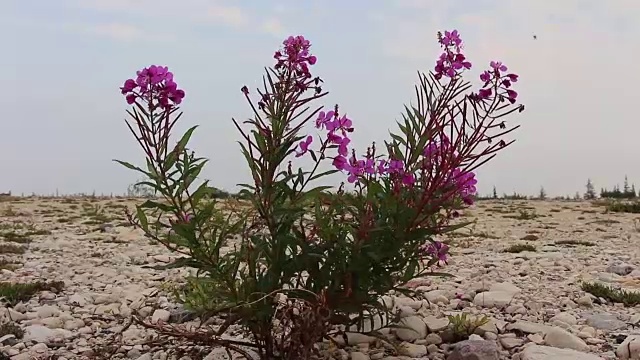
(577, 196)
(139, 190)
(495, 193)
(543, 194)
(625, 189)
(590, 194)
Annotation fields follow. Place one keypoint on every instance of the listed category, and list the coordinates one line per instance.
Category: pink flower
(485, 76)
(304, 146)
(438, 250)
(340, 162)
(498, 66)
(452, 61)
(155, 85)
(324, 118)
(295, 56)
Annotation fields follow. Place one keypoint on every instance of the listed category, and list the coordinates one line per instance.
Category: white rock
(46, 311)
(160, 315)
(435, 324)
(565, 317)
(630, 348)
(39, 333)
(411, 328)
(563, 339)
(412, 350)
(505, 287)
(528, 327)
(359, 356)
(493, 299)
(537, 352)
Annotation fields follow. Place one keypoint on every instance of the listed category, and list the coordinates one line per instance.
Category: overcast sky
(63, 60)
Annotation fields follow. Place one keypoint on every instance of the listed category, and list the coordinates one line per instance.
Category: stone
(505, 287)
(630, 348)
(160, 315)
(620, 268)
(563, 339)
(435, 324)
(411, 328)
(528, 327)
(537, 352)
(490, 299)
(565, 318)
(354, 339)
(474, 350)
(585, 301)
(605, 322)
(510, 342)
(412, 350)
(359, 356)
(434, 339)
(47, 311)
(42, 334)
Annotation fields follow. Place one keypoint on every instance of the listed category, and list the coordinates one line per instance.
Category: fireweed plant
(306, 262)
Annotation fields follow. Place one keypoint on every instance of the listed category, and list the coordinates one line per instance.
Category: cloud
(118, 31)
(273, 27)
(227, 15)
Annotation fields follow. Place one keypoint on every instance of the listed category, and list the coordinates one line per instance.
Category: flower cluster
(452, 61)
(438, 250)
(155, 85)
(295, 56)
(437, 155)
(495, 80)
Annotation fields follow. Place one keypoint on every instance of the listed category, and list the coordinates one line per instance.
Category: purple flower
(340, 162)
(395, 166)
(155, 85)
(512, 95)
(485, 76)
(498, 67)
(438, 250)
(304, 146)
(484, 93)
(295, 56)
(452, 61)
(324, 118)
(451, 38)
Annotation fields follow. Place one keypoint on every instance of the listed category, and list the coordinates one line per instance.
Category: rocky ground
(533, 300)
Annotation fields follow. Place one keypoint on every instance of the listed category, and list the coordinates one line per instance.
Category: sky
(62, 118)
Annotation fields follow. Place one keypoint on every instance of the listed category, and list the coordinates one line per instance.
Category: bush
(308, 256)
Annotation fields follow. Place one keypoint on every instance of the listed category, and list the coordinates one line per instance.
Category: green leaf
(201, 192)
(142, 217)
(185, 138)
(150, 204)
(130, 166)
(171, 159)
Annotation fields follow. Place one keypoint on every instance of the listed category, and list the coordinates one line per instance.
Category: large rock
(630, 348)
(474, 350)
(537, 352)
(565, 317)
(505, 287)
(620, 268)
(605, 322)
(42, 334)
(490, 299)
(563, 339)
(411, 328)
